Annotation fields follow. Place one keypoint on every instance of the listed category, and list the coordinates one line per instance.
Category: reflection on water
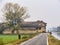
(56, 35)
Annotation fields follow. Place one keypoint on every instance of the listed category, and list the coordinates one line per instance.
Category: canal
(56, 35)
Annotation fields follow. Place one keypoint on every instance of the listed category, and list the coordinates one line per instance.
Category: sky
(46, 10)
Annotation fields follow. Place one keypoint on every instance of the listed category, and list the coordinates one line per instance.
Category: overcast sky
(46, 10)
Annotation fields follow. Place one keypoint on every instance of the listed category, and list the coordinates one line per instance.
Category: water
(56, 35)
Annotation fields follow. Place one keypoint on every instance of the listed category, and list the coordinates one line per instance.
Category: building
(35, 25)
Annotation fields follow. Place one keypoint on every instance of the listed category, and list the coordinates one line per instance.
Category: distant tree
(58, 29)
(15, 15)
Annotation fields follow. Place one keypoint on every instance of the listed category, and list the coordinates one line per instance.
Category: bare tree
(15, 15)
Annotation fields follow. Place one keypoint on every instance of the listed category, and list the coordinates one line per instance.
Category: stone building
(30, 26)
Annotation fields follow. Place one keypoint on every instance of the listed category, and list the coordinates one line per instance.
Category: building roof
(33, 24)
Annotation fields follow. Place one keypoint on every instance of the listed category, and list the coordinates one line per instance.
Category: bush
(24, 37)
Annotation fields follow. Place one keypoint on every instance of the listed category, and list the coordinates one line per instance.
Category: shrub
(24, 37)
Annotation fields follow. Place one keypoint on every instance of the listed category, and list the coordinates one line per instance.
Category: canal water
(56, 35)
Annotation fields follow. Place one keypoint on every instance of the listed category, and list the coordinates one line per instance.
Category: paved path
(40, 39)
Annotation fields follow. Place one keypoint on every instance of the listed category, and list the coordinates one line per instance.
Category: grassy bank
(52, 40)
(13, 39)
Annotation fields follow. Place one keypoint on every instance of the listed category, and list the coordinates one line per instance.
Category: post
(19, 36)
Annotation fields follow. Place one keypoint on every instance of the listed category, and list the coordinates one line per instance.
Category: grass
(9, 39)
(52, 40)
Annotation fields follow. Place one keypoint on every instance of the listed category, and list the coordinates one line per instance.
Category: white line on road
(47, 39)
(29, 40)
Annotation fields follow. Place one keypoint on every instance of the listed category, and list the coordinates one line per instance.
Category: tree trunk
(19, 35)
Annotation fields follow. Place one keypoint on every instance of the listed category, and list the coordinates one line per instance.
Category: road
(40, 39)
